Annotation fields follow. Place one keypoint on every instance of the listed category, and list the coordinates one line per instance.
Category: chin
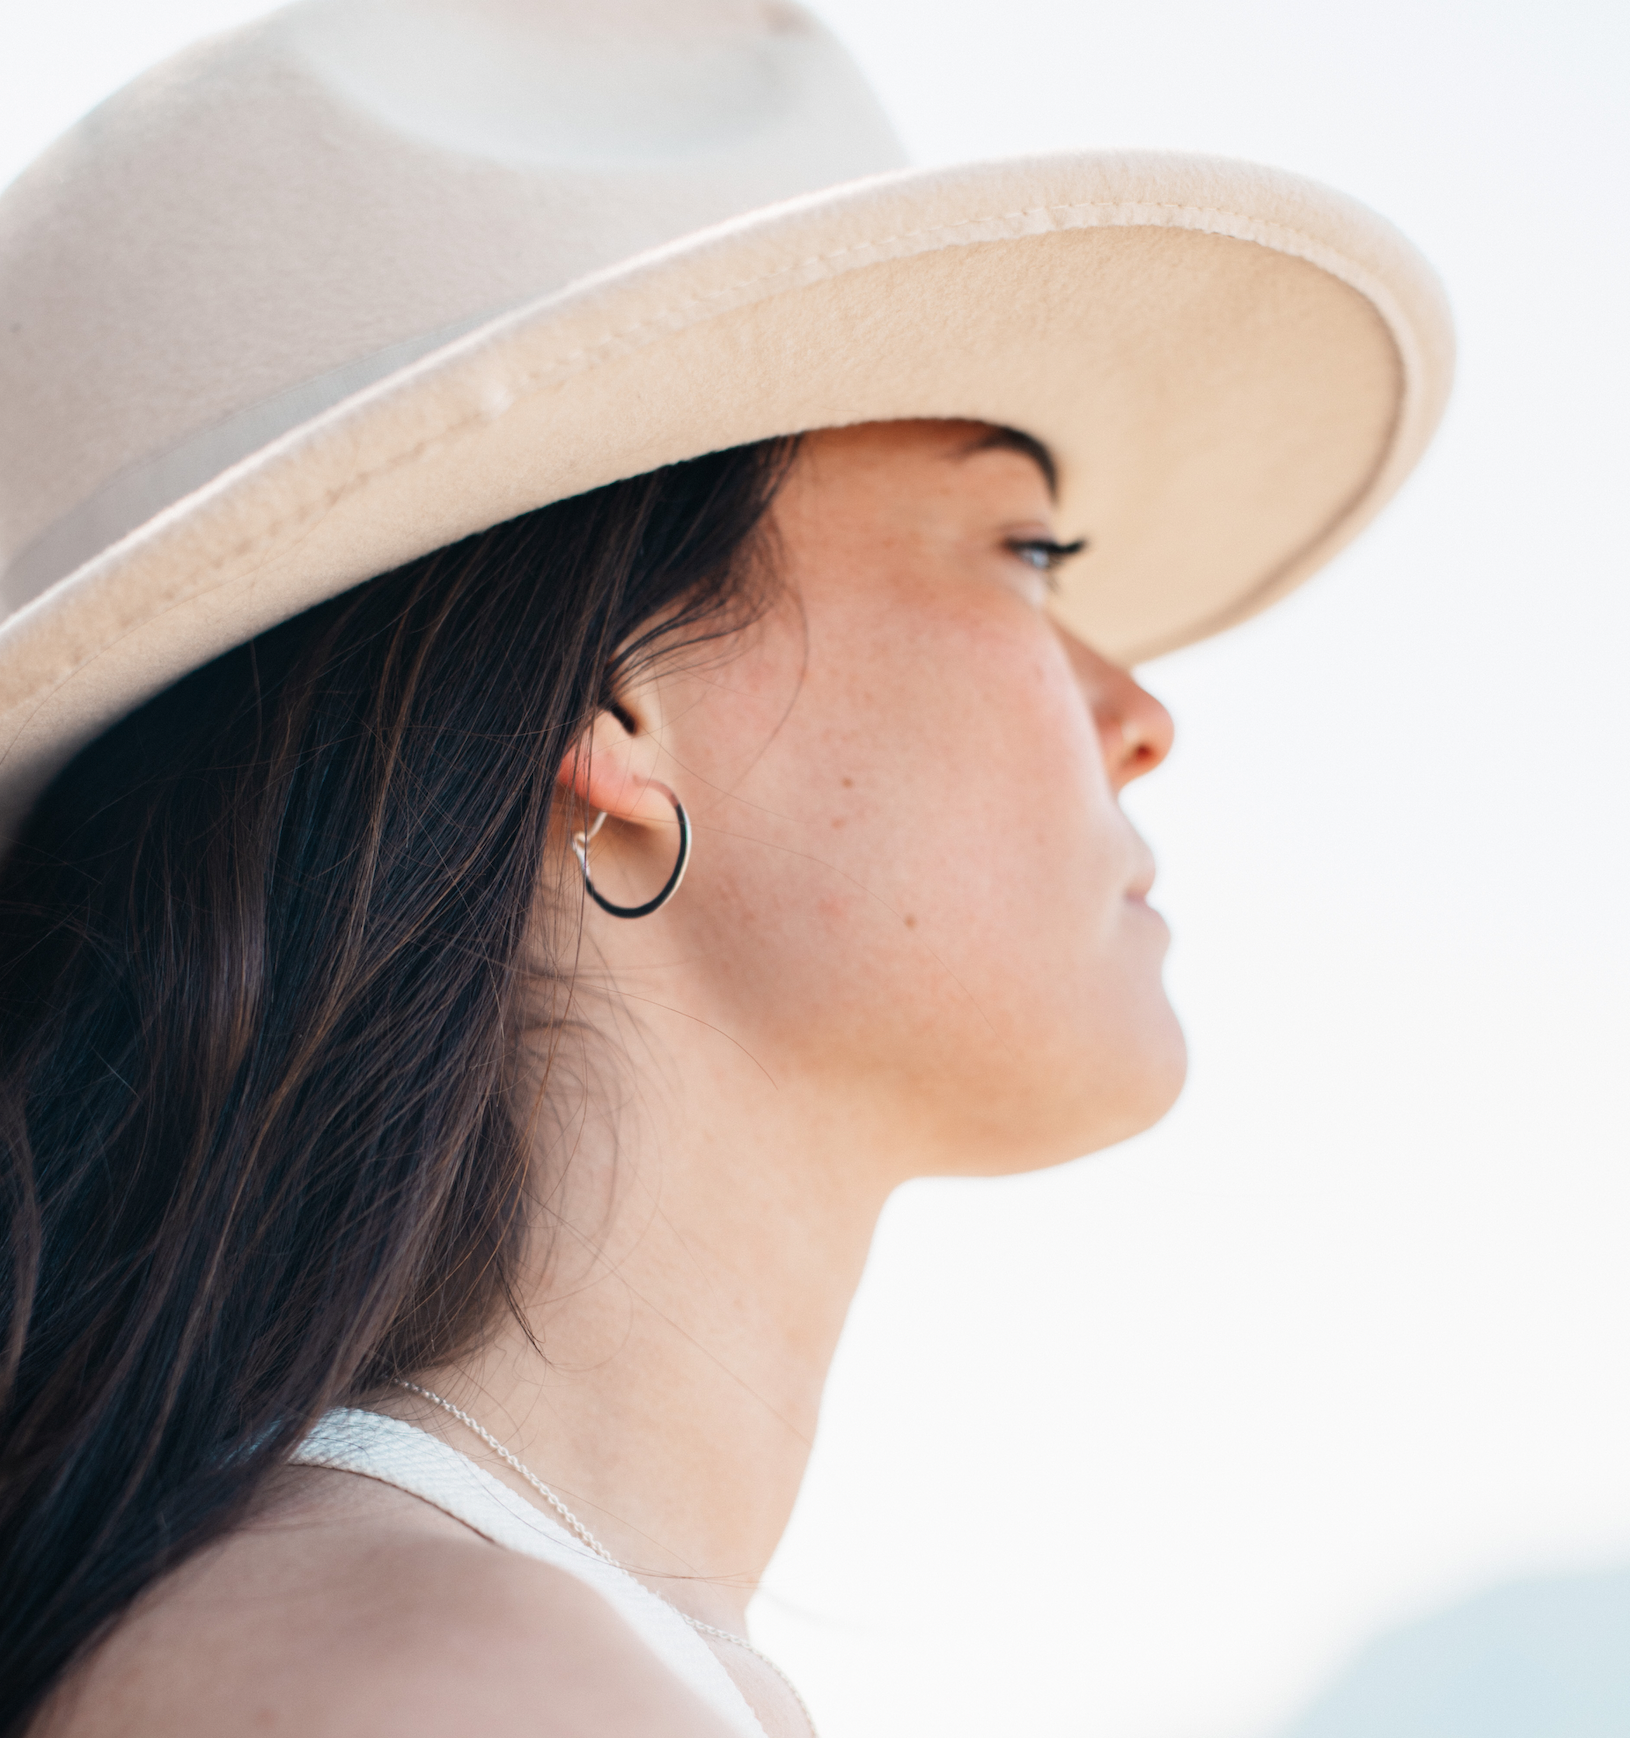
(1044, 1125)
(1150, 1084)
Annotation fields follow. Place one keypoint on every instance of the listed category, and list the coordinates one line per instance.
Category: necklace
(598, 1549)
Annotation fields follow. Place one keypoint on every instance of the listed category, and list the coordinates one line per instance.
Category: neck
(694, 1261)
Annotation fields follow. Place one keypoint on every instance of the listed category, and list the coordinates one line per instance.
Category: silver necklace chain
(598, 1549)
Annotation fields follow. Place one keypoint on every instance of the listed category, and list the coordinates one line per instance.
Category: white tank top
(414, 1461)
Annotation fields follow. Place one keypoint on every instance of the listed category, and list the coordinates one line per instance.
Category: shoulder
(365, 1611)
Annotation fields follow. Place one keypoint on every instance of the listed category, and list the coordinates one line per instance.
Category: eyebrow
(1013, 440)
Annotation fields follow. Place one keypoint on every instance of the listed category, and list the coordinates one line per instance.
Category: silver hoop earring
(580, 844)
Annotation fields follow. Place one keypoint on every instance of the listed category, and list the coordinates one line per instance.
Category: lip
(1143, 881)
(1137, 900)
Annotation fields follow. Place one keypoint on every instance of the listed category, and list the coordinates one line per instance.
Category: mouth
(1143, 916)
(1143, 880)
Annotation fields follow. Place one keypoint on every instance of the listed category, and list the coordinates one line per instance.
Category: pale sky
(1147, 1447)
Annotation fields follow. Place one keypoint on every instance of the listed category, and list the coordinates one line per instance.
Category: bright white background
(1145, 1447)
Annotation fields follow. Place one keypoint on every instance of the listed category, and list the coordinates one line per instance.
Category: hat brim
(1235, 369)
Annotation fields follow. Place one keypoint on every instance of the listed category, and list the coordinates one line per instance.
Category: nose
(1134, 729)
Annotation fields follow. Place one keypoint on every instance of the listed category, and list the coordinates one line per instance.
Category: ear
(610, 768)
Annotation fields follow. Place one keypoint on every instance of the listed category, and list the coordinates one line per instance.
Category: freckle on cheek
(838, 822)
(911, 922)
(848, 784)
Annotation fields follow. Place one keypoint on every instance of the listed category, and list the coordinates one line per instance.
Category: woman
(563, 720)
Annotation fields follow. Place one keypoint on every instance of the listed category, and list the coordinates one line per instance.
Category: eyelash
(1045, 555)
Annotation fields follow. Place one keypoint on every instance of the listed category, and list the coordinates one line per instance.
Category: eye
(1043, 554)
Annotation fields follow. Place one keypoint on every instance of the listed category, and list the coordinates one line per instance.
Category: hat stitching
(1216, 222)
(1213, 222)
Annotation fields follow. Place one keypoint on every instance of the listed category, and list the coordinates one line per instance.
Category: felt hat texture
(332, 290)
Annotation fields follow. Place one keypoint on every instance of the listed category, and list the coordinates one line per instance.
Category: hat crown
(273, 219)
(630, 85)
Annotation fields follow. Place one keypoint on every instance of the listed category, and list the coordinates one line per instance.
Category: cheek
(937, 830)
(1007, 840)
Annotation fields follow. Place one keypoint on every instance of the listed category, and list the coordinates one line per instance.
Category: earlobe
(609, 770)
(582, 840)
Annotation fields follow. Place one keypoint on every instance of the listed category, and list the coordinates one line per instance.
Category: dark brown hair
(264, 950)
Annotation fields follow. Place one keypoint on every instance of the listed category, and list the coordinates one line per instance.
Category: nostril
(1144, 742)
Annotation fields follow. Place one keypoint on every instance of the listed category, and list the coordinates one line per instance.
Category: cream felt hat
(327, 292)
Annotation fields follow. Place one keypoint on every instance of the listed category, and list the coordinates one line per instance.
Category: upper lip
(1144, 879)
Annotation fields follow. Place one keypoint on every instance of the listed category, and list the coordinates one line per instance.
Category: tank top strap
(400, 1454)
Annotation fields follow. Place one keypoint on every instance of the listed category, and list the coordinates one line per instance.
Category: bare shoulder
(354, 1609)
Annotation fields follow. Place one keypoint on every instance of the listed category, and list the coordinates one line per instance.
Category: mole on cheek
(911, 922)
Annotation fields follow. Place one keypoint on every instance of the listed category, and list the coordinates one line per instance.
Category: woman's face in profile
(913, 881)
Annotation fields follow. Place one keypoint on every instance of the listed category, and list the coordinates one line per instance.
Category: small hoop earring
(580, 844)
